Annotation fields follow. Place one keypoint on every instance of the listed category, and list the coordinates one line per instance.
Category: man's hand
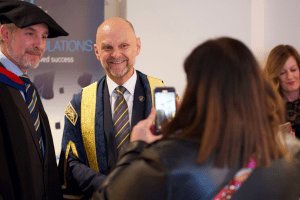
(142, 131)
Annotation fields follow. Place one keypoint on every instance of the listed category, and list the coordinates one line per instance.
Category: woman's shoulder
(280, 179)
(171, 144)
(173, 149)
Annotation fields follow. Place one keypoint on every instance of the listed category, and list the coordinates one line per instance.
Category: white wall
(170, 29)
(282, 24)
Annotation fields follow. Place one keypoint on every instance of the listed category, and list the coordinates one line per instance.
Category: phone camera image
(165, 105)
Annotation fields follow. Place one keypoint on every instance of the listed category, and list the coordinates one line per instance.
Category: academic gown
(87, 164)
(24, 172)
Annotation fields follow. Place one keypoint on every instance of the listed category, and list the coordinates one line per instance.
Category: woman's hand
(142, 131)
(178, 103)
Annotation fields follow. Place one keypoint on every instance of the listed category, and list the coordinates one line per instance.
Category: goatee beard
(22, 61)
(119, 76)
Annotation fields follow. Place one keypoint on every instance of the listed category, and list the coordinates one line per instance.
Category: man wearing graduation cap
(28, 167)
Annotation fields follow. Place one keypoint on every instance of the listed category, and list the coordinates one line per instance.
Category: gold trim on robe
(88, 110)
(154, 82)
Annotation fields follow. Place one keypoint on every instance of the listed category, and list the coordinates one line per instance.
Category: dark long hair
(229, 106)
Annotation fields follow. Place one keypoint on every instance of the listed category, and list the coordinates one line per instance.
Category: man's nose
(116, 53)
(38, 43)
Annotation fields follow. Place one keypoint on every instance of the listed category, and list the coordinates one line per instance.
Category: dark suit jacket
(24, 173)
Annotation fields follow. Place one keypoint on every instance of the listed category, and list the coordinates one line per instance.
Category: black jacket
(167, 170)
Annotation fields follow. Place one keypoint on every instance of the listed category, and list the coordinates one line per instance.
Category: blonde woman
(282, 69)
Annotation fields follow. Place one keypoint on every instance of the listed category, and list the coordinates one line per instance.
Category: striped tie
(121, 119)
(31, 100)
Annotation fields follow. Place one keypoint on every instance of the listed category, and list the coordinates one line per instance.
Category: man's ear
(97, 52)
(5, 33)
(138, 46)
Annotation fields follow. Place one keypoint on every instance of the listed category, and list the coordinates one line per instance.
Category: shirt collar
(10, 66)
(129, 84)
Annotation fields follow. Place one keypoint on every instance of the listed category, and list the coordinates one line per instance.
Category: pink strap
(235, 184)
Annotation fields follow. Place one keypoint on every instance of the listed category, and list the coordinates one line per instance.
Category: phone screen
(165, 105)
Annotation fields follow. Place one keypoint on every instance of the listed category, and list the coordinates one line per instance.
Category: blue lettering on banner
(57, 46)
(31, 1)
(72, 45)
(69, 45)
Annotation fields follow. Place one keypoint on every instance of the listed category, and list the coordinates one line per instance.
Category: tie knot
(25, 78)
(121, 90)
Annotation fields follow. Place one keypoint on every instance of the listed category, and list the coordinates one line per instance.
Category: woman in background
(282, 69)
(227, 121)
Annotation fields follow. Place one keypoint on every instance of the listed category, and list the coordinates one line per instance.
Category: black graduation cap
(24, 14)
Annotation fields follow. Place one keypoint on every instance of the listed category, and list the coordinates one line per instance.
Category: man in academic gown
(28, 168)
(91, 140)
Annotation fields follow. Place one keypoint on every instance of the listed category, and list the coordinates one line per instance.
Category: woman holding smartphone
(223, 142)
(282, 70)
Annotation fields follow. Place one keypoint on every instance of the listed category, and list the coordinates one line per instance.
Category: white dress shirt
(128, 95)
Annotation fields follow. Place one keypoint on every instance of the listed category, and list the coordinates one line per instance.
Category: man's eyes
(110, 47)
(32, 34)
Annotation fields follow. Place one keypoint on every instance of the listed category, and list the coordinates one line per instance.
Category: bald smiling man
(99, 120)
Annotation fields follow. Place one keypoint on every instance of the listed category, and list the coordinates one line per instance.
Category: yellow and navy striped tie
(121, 119)
(31, 101)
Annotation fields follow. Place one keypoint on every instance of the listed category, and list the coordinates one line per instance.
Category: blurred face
(289, 76)
(26, 46)
(116, 48)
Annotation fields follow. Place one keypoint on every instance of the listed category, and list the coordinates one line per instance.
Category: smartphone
(165, 105)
